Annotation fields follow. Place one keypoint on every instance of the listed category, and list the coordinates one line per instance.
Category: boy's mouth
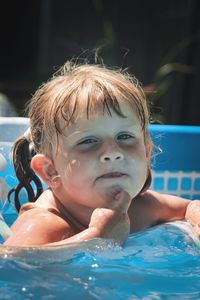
(112, 175)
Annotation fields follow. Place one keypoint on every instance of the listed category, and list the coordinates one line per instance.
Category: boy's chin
(115, 188)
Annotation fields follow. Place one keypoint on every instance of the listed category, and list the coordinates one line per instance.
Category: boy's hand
(113, 221)
(192, 215)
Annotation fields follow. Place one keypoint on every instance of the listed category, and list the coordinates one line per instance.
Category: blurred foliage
(108, 40)
(164, 76)
(161, 83)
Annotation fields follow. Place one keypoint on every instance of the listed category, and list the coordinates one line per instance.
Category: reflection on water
(160, 263)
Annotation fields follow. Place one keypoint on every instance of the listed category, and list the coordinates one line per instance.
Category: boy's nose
(111, 157)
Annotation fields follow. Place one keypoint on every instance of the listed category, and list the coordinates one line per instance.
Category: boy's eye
(88, 141)
(125, 136)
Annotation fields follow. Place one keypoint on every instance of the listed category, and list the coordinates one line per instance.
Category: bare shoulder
(144, 211)
(39, 226)
(151, 208)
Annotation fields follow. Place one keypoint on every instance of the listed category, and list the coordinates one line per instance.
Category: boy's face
(101, 155)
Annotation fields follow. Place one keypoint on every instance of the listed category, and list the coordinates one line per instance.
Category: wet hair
(28, 180)
(56, 105)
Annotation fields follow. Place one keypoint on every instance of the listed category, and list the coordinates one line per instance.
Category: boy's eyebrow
(91, 131)
(75, 133)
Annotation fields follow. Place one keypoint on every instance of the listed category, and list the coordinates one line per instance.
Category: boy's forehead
(100, 110)
(85, 122)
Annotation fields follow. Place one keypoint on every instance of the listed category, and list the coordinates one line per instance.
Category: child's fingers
(122, 201)
(117, 199)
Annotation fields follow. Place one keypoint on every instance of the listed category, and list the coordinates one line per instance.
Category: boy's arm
(170, 207)
(151, 208)
(105, 223)
(37, 227)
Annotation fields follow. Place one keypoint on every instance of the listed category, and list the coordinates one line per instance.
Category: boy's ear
(44, 167)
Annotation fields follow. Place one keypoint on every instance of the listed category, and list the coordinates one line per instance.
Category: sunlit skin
(95, 175)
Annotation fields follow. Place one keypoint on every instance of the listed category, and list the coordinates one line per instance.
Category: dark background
(158, 41)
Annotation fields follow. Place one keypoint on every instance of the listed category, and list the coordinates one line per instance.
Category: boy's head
(80, 92)
(78, 89)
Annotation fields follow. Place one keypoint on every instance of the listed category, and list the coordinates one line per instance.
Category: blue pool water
(160, 263)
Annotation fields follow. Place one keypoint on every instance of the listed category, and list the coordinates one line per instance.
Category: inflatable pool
(162, 262)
